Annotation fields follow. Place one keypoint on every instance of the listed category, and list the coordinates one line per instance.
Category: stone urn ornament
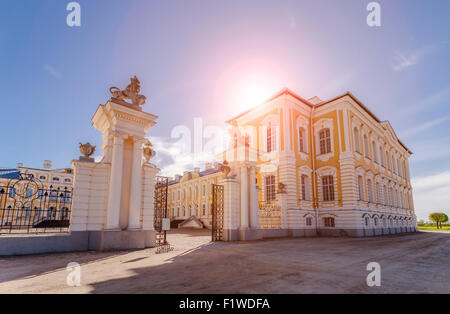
(87, 150)
(148, 152)
(225, 169)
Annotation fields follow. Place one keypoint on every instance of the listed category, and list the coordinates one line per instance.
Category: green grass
(444, 228)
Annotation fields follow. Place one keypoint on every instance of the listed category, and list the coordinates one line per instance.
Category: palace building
(307, 167)
(30, 195)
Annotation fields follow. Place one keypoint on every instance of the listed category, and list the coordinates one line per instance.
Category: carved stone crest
(281, 188)
(131, 92)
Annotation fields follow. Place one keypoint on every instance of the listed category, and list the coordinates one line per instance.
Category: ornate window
(308, 221)
(385, 195)
(374, 152)
(329, 222)
(304, 180)
(361, 188)
(357, 140)
(370, 190)
(388, 161)
(381, 156)
(391, 196)
(271, 139)
(302, 140)
(366, 146)
(367, 221)
(325, 141)
(270, 188)
(328, 188)
(204, 209)
(378, 191)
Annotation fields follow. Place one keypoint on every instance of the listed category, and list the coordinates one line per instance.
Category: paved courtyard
(410, 263)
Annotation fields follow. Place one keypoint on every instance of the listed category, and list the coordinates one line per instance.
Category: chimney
(197, 170)
(19, 165)
(47, 164)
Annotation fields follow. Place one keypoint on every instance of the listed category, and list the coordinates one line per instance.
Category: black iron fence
(29, 206)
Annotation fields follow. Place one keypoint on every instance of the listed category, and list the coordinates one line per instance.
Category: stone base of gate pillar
(111, 240)
(250, 234)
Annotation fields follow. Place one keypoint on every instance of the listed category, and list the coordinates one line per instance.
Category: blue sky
(194, 57)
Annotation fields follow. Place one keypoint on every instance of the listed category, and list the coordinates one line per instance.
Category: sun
(253, 93)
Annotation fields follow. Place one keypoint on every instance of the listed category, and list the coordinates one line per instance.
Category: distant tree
(438, 218)
(445, 219)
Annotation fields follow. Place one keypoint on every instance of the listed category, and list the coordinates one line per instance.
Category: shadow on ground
(410, 263)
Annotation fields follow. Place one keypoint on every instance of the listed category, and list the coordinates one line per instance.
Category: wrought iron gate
(28, 206)
(161, 212)
(217, 213)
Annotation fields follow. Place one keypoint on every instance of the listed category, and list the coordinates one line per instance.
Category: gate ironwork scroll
(29, 206)
(217, 213)
(161, 213)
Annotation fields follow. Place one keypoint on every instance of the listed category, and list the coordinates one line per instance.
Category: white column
(136, 187)
(244, 197)
(115, 186)
(253, 200)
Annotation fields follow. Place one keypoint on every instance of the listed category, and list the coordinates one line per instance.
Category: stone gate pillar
(113, 198)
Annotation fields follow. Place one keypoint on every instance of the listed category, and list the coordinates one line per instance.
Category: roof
(366, 110)
(287, 91)
(284, 91)
(200, 174)
(9, 173)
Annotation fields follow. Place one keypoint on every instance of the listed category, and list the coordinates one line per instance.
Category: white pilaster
(115, 187)
(254, 217)
(136, 186)
(244, 197)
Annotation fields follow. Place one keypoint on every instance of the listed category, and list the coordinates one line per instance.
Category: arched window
(388, 161)
(204, 209)
(361, 188)
(367, 221)
(304, 189)
(385, 195)
(325, 141)
(378, 191)
(394, 165)
(401, 199)
(329, 222)
(391, 196)
(357, 140)
(271, 139)
(375, 221)
(374, 152)
(381, 156)
(308, 221)
(370, 190)
(366, 146)
(328, 188)
(270, 188)
(302, 140)
(399, 167)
